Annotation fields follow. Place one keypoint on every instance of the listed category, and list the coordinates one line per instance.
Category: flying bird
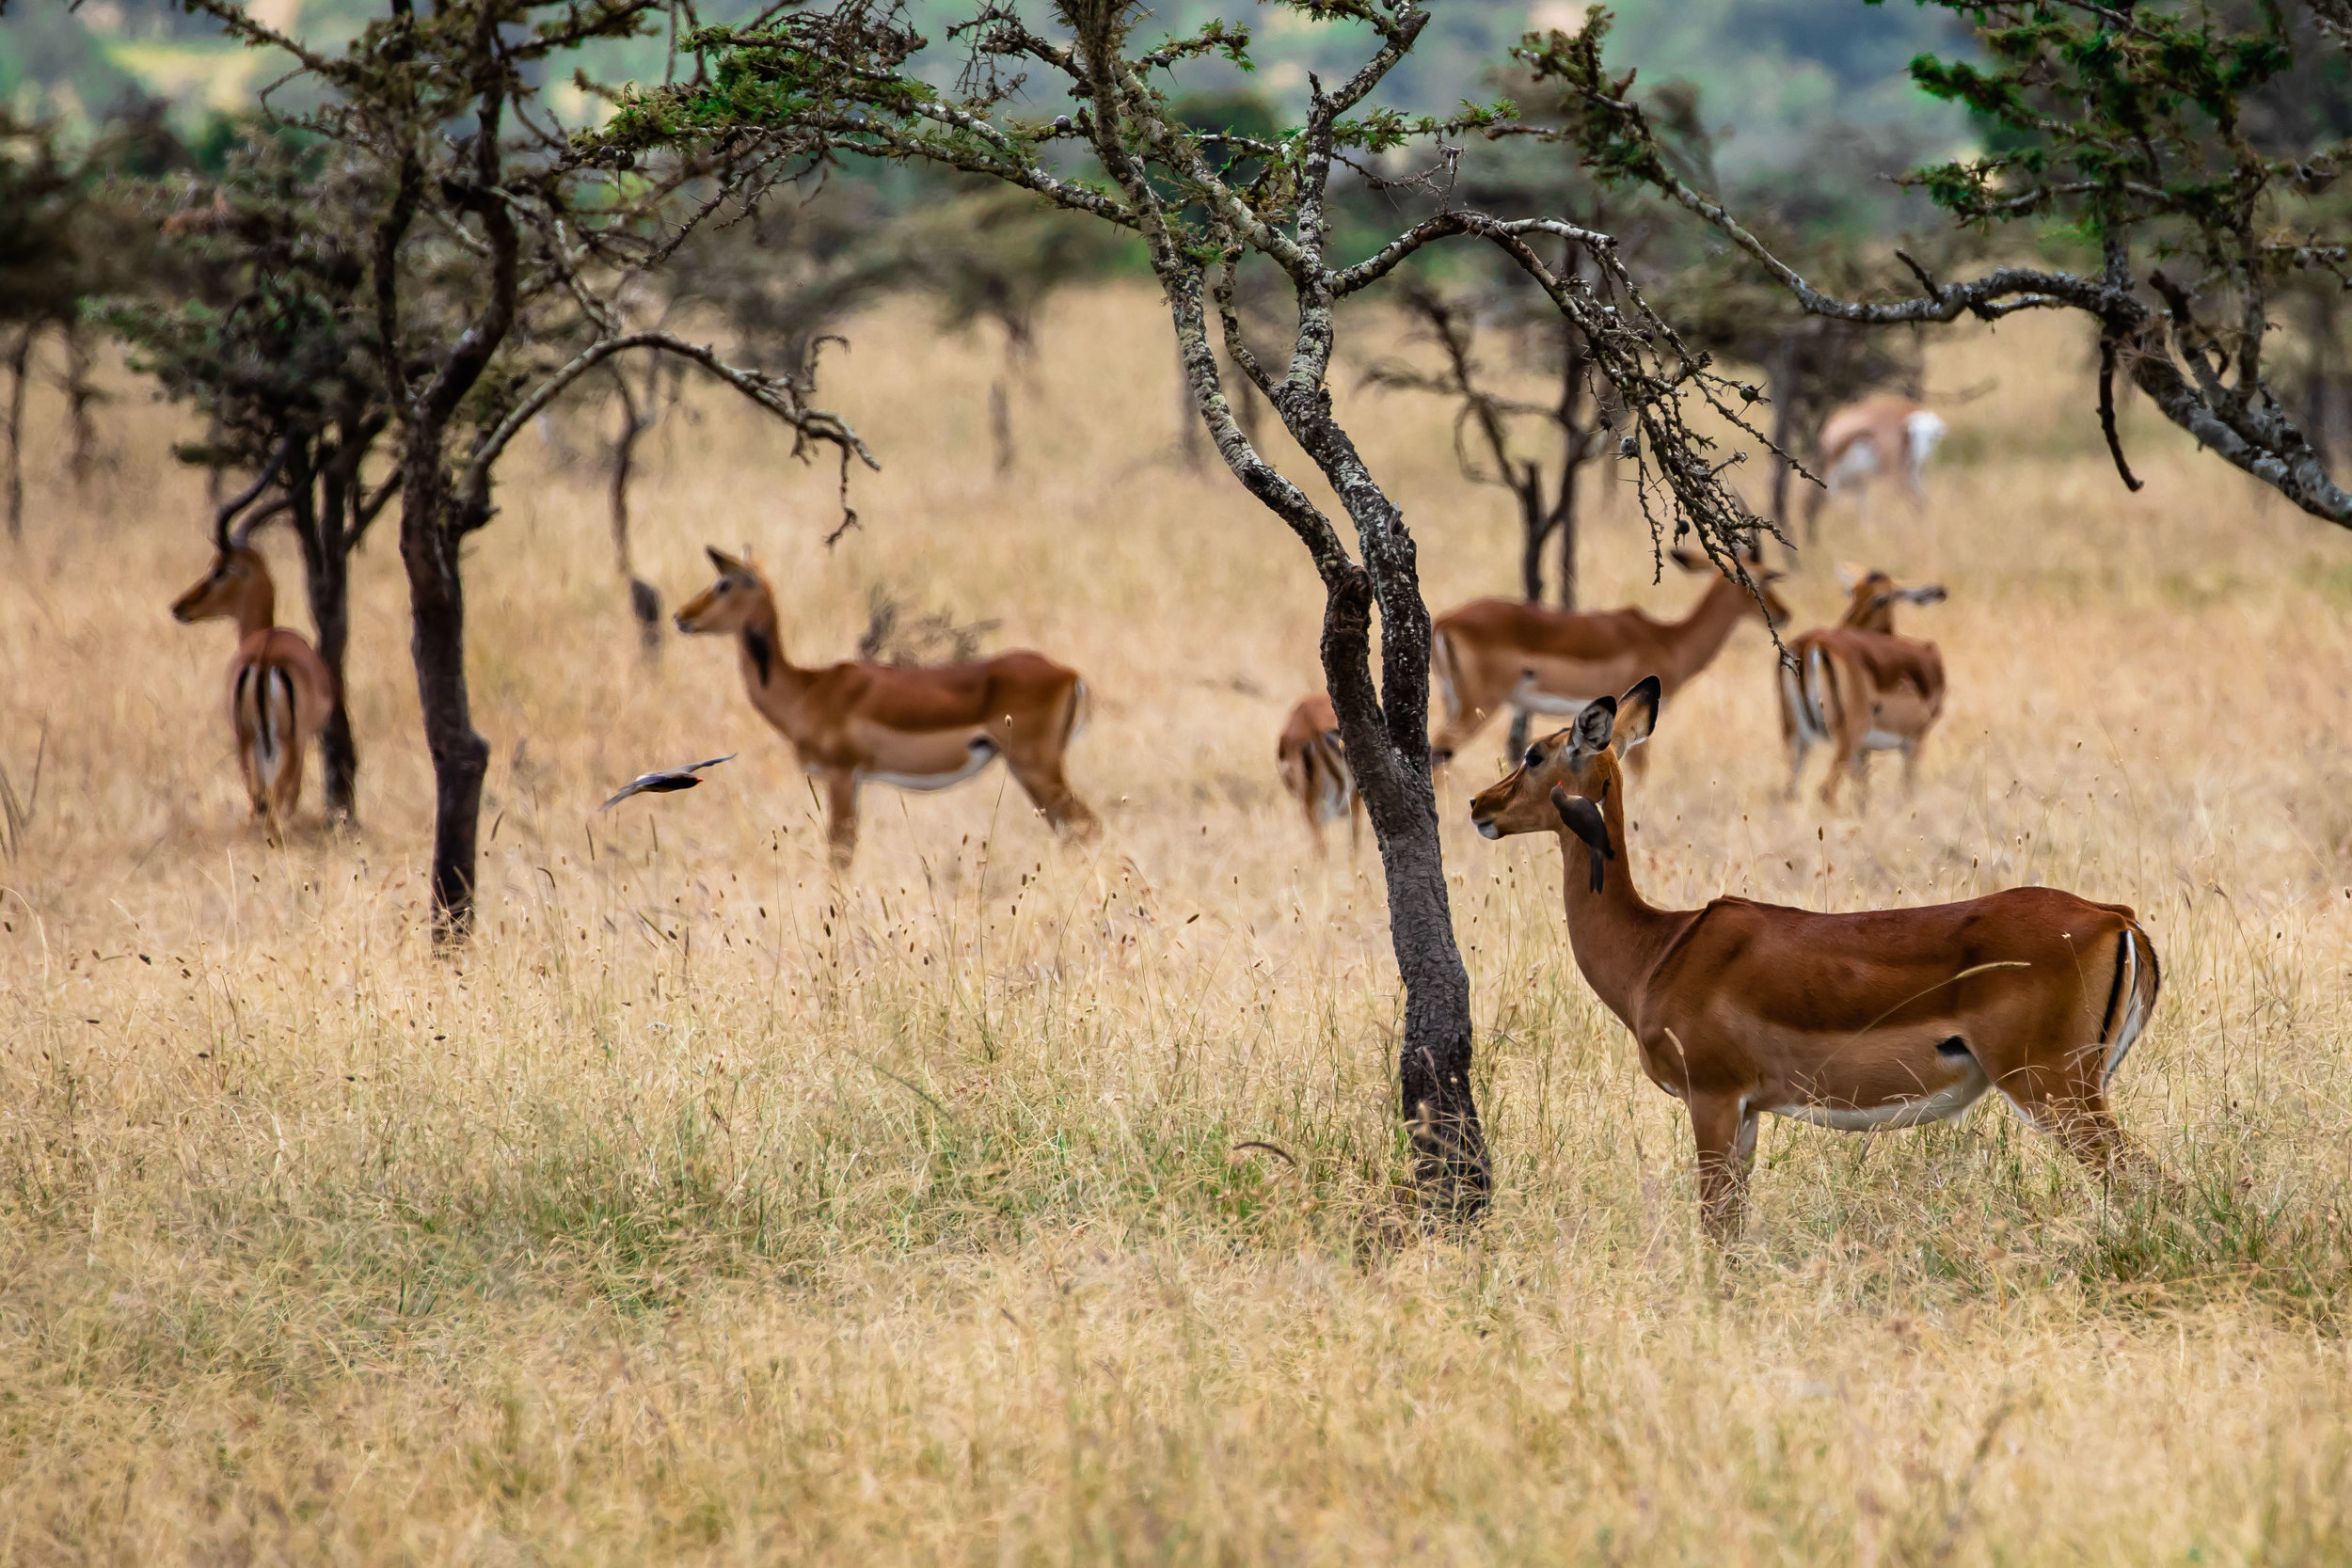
(664, 780)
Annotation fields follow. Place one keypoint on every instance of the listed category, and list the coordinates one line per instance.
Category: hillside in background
(1786, 77)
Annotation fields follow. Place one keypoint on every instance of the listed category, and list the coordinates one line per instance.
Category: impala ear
(726, 563)
(1848, 575)
(1595, 723)
(1637, 713)
(1690, 561)
(1927, 593)
(1583, 818)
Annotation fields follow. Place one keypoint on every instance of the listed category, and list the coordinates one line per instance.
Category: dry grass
(708, 1213)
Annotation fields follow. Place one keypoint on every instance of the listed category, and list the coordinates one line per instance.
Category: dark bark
(437, 609)
(20, 361)
(81, 396)
(645, 600)
(1000, 426)
(321, 503)
(1389, 729)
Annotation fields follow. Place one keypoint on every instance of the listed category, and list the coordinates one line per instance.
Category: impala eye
(1535, 757)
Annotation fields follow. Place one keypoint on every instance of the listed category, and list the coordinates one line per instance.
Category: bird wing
(712, 763)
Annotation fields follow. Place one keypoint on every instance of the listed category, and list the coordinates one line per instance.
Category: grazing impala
(1493, 654)
(1890, 1018)
(280, 693)
(918, 729)
(1860, 688)
(1878, 435)
(1315, 772)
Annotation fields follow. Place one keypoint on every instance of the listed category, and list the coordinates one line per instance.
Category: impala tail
(2131, 998)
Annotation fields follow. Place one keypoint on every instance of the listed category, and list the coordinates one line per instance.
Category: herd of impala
(1889, 1018)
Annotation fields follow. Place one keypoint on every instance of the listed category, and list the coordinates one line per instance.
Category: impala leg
(1355, 826)
(841, 816)
(1911, 764)
(1798, 747)
(2071, 1107)
(1041, 779)
(1725, 1131)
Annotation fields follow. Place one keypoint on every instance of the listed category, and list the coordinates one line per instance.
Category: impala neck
(257, 608)
(1699, 635)
(1618, 936)
(765, 668)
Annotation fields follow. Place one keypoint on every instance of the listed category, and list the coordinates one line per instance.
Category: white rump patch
(1922, 431)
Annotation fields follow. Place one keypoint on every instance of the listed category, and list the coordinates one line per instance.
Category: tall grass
(1013, 1203)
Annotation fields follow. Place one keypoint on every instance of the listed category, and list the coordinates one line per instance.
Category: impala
(1314, 769)
(280, 693)
(1493, 654)
(1860, 688)
(919, 729)
(1878, 435)
(1889, 1018)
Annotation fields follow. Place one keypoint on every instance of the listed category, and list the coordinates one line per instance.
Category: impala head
(237, 573)
(239, 585)
(1561, 784)
(1872, 595)
(728, 605)
(1767, 604)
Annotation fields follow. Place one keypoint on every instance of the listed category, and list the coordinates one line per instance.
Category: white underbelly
(1884, 741)
(1527, 697)
(1941, 1105)
(981, 755)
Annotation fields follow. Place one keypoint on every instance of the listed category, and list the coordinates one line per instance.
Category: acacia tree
(2130, 125)
(841, 81)
(268, 341)
(486, 242)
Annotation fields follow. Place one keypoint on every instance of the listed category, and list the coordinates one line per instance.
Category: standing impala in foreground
(1889, 1018)
(1888, 436)
(1493, 654)
(280, 693)
(1860, 688)
(918, 729)
(1314, 769)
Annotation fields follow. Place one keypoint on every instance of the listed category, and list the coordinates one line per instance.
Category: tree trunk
(81, 395)
(645, 600)
(1000, 426)
(320, 522)
(1387, 732)
(19, 359)
(1576, 435)
(429, 539)
(1782, 376)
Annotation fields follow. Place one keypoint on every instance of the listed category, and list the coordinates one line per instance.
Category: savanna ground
(707, 1213)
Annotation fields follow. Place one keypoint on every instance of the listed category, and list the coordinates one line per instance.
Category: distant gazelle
(1314, 769)
(1880, 436)
(919, 729)
(1859, 688)
(1889, 1018)
(1493, 654)
(280, 693)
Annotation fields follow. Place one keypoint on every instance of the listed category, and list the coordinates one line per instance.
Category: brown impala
(1314, 769)
(1889, 1018)
(918, 729)
(1860, 688)
(1882, 436)
(280, 693)
(1493, 654)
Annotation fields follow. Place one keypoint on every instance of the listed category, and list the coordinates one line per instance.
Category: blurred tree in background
(255, 314)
